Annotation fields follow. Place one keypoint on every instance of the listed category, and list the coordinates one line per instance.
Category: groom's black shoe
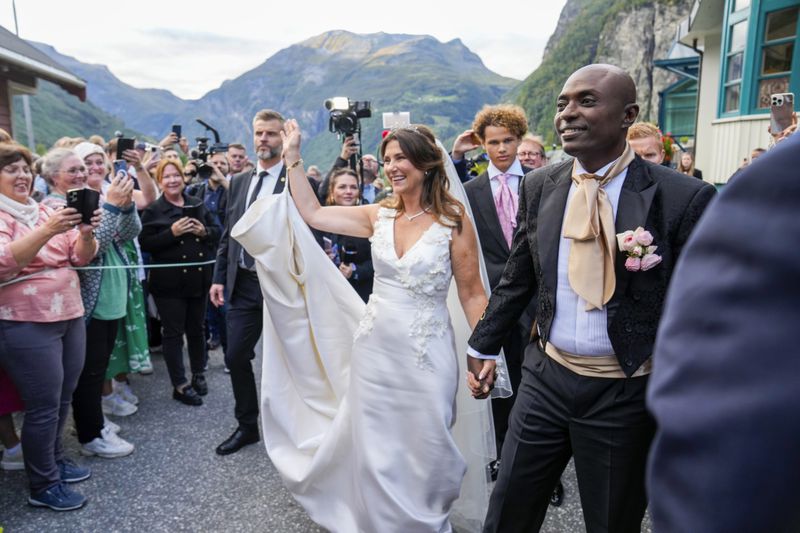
(237, 441)
(557, 498)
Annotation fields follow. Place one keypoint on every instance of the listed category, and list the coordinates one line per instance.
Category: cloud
(508, 54)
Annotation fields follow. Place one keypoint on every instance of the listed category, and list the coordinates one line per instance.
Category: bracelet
(296, 163)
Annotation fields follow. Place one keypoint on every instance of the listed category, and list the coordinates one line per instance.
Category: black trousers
(181, 316)
(558, 414)
(244, 321)
(513, 348)
(86, 408)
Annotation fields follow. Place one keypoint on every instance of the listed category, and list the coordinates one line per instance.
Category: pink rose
(643, 237)
(634, 264)
(649, 261)
(626, 241)
(638, 251)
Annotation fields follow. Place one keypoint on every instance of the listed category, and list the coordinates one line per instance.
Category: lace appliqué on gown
(425, 275)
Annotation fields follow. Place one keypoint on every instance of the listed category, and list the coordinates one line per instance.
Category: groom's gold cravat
(589, 222)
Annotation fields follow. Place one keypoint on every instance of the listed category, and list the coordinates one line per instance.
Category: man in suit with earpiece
(236, 281)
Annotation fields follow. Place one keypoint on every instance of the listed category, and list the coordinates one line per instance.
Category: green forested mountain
(627, 33)
(440, 84)
(55, 114)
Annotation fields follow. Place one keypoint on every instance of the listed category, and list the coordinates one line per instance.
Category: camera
(477, 164)
(203, 150)
(345, 115)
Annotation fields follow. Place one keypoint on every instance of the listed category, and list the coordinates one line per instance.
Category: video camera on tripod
(203, 150)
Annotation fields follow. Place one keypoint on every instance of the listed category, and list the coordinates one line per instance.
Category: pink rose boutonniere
(638, 245)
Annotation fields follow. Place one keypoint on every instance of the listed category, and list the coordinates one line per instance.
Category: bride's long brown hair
(419, 145)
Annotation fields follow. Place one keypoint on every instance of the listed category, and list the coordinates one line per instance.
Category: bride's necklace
(411, 218)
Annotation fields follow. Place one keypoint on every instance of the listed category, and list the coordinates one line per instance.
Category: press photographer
(345, 121)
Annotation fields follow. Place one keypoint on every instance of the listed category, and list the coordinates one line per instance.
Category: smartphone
(780, 111)
(120, 165)
(191, 211)
(124, 144)
(85, 201)
(176, 129)
(396, 120)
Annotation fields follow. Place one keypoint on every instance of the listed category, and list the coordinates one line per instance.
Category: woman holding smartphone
(42, 334)
(172, 237)
(105, 298)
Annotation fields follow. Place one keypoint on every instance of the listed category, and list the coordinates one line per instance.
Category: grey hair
(52, 161)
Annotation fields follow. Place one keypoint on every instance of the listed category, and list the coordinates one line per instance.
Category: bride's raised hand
(290, 136)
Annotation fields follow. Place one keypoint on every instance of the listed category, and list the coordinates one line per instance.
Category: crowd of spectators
(86, 298)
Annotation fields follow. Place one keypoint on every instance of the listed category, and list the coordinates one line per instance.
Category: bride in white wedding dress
(359, 404)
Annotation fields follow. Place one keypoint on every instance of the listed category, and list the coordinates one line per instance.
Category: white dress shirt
(575, 330)
(268, 185)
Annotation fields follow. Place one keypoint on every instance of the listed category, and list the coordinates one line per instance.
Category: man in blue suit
(724, 388)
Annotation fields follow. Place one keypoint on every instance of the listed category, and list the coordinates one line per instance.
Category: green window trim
(752, 58)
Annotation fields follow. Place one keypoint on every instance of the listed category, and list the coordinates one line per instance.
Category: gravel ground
(175, 482)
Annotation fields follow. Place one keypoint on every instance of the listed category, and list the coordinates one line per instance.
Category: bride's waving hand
(357, 221)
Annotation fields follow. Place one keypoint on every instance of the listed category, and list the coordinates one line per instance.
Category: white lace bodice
(415, 283)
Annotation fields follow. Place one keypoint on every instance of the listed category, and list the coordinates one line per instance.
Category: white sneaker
(114, 405)
(146, 368)
(107, 445)
(13, 461)
(111, 426)
(124, 391)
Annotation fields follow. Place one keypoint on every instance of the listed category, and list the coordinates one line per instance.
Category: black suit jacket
(724, 388)
(229, 250)
(493, 243)
(661, 200)
(157, 239)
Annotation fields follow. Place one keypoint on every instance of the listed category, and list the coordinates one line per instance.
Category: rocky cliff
(627, 33)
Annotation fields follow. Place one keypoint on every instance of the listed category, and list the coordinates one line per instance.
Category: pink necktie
(505, 200)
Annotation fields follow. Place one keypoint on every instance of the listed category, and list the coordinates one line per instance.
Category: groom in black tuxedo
(236, 281)
(584, 380)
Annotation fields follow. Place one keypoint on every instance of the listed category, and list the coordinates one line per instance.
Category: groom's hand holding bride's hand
(480, 376)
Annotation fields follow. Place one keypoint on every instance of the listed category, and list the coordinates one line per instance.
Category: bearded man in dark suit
(597, 310)
(236, 281)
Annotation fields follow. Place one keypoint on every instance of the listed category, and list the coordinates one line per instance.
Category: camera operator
(211, 190)
(369, 171)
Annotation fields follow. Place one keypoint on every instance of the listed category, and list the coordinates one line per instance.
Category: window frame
(753, 55)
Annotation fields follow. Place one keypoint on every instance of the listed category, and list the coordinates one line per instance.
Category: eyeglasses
(74, 171)
(530, 154)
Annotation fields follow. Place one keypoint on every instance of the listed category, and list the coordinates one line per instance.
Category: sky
(191, 47)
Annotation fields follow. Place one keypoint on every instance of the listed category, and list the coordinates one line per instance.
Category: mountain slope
(627, 33)
(441, 84)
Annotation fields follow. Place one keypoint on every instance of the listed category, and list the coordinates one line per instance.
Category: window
(737, 42)
(776, 54)
(759, 54)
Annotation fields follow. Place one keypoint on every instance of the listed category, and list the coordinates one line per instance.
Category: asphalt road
(175, 482)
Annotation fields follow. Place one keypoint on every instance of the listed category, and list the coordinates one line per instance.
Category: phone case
(85, 201)
(781, 108)
(124, 144)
